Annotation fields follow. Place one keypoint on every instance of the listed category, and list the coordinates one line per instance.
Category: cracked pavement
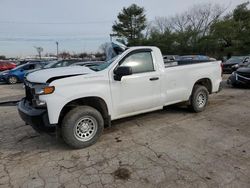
(168, 148)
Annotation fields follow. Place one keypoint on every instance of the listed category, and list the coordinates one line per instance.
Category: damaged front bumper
(37, 118)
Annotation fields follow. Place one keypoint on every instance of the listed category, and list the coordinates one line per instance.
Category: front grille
(28, 92)
(245, 74)
(244, 80)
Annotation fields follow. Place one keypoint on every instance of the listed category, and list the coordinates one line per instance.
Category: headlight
(45, 90)
(235, 66)
(4, 73)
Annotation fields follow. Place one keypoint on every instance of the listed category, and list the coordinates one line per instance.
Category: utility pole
(57, 49)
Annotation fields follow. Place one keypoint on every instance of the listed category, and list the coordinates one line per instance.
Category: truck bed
(178, 63)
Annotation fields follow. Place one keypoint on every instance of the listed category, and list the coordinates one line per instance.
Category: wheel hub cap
(85, 128)
(201, 100)
(12, 80)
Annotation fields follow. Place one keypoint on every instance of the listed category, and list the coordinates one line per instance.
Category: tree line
(207, 29)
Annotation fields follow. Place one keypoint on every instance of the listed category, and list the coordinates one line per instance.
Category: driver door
(137, 92)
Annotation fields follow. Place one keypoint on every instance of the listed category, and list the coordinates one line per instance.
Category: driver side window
(140, 62)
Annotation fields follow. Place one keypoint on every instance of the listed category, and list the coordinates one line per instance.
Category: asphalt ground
(167, 148)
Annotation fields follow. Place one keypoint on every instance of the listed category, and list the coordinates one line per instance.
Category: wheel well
(13, 75)
(95, 102)
(205, 82)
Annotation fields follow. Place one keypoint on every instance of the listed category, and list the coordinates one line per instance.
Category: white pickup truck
(80, 101)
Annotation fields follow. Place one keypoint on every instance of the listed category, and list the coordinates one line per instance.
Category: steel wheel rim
(85, 128)
(201, 99)
(12, 80)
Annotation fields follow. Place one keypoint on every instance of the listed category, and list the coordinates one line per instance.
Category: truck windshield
(103, 65)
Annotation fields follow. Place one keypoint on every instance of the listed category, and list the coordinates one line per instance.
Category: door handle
(154, 78)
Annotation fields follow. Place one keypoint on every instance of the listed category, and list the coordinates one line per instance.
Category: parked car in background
(233, 63)
(195, 57)
(17, 74)
(88, 63)
(240, 77)
(187, 59)
(6, 65)
(61, 63)
(22, 62)
(53, 64)
(242, 64)
(170, 58)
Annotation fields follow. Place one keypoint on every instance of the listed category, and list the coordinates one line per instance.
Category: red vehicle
(6, 65)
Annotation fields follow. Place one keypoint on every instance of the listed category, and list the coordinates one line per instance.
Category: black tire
(12, 80)
(199, 94)
(235, 85)
(72, 129)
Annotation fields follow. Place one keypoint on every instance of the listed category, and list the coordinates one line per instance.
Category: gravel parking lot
(11, 92)
(167, 148)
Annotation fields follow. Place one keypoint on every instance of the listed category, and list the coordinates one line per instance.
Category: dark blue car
(17, 74)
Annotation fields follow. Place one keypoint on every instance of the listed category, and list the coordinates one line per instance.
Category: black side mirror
(122, 71)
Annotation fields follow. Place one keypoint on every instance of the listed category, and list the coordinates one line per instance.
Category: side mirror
(122, 71)
(21, 70)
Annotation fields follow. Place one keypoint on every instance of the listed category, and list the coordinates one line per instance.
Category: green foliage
(232, 33)
(184, 33)
(2, 57)
(131, 22)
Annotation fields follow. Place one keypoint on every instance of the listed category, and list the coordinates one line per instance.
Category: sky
(78, 25)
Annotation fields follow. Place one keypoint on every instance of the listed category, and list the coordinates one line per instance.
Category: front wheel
(82, 126)
(199, 98)
(12, 80)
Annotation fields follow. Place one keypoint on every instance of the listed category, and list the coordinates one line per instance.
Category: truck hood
(48, 75)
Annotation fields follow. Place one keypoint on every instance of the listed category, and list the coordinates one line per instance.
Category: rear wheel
(199, 98)
(82, 126)
(12, 80)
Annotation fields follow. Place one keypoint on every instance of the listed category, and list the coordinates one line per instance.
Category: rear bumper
(37, 118)
(220, 87)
